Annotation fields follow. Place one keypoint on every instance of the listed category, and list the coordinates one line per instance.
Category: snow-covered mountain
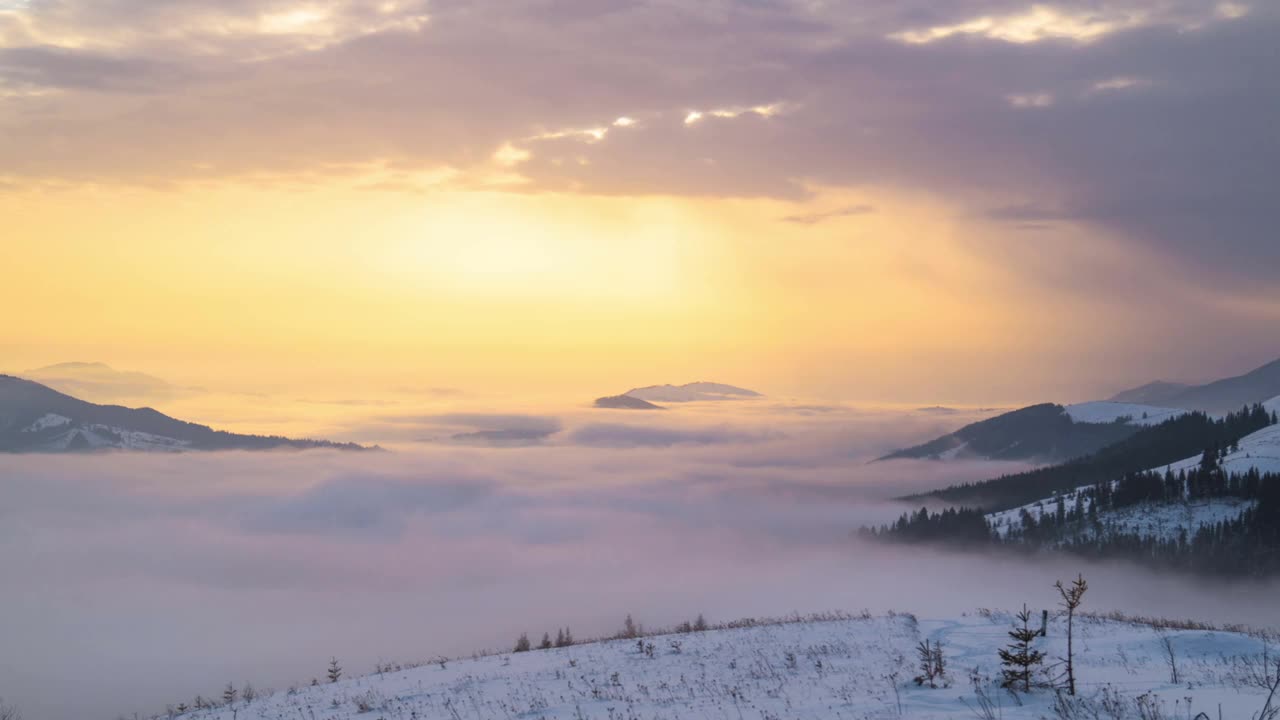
(1151, 393)
(1258, 451)
(35, 418)
(816, 669)
(1107, 411)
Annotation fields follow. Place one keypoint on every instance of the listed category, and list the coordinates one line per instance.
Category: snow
(97, 436)
(1159, 520)
(1105, 412)
(1260, 451)
(832, 669)
(46, 421)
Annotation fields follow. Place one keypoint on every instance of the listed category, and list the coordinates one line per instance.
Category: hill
(626, 402)
(1149, 447)
(99, 382)
(820, 668)
(35, 418)
(1218, 396)
(1044, 432)
(1214, 510)
(691, 392)
(1154, 393)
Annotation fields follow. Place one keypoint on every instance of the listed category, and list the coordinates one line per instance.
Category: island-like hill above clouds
(626, 402)
(643, 398)
(36, 418)
(1216, 397)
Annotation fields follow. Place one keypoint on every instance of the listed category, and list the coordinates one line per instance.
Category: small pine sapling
(1021, 659)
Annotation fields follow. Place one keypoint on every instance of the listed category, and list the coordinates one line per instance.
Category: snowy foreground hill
(815, 669)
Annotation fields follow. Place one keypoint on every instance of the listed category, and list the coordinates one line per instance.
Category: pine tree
(335, 670)
(546, 642)
(1071, 599)
(1020, 659)
(522, 643)
(700, 624)
(230, 694)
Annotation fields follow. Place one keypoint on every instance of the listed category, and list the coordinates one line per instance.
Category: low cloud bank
(182, 573)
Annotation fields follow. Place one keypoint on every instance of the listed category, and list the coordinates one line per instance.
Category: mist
(132, 580)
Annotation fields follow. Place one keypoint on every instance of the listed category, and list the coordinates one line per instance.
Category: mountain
(1216, 397)
(1044, 432)
(626, 402)
(644, 398)
(1108, 411)
(35, 418)
(691, 392)
(1193, 494)
(1155, 393)
(99, 382)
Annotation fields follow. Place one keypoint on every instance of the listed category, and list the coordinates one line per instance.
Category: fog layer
(132, 581)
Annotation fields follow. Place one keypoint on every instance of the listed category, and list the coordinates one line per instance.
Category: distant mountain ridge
(691, 392)
(1153, 393)
(643, 398)
(99, 382)
(36, 418)
(1219, 396)
(626, 402)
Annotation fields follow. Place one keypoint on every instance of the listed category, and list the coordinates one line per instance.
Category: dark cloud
(66, 69)
(1161, 132)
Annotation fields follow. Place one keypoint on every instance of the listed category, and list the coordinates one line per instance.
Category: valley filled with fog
(142, 579)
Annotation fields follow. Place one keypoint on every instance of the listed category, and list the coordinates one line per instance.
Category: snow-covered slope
(1106, 411)
(1165, 521)
(1260, 450)
(35, 418)
(814, 670)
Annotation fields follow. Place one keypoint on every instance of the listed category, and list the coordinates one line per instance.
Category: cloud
(814, 218)
(259, 567)
(373, 507)
(491, 429)
(977, 100)
(621, 435)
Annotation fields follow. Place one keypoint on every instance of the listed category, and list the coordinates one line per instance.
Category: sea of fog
(131, 581)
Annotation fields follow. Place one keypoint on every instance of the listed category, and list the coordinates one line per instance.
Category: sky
(965, 202)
